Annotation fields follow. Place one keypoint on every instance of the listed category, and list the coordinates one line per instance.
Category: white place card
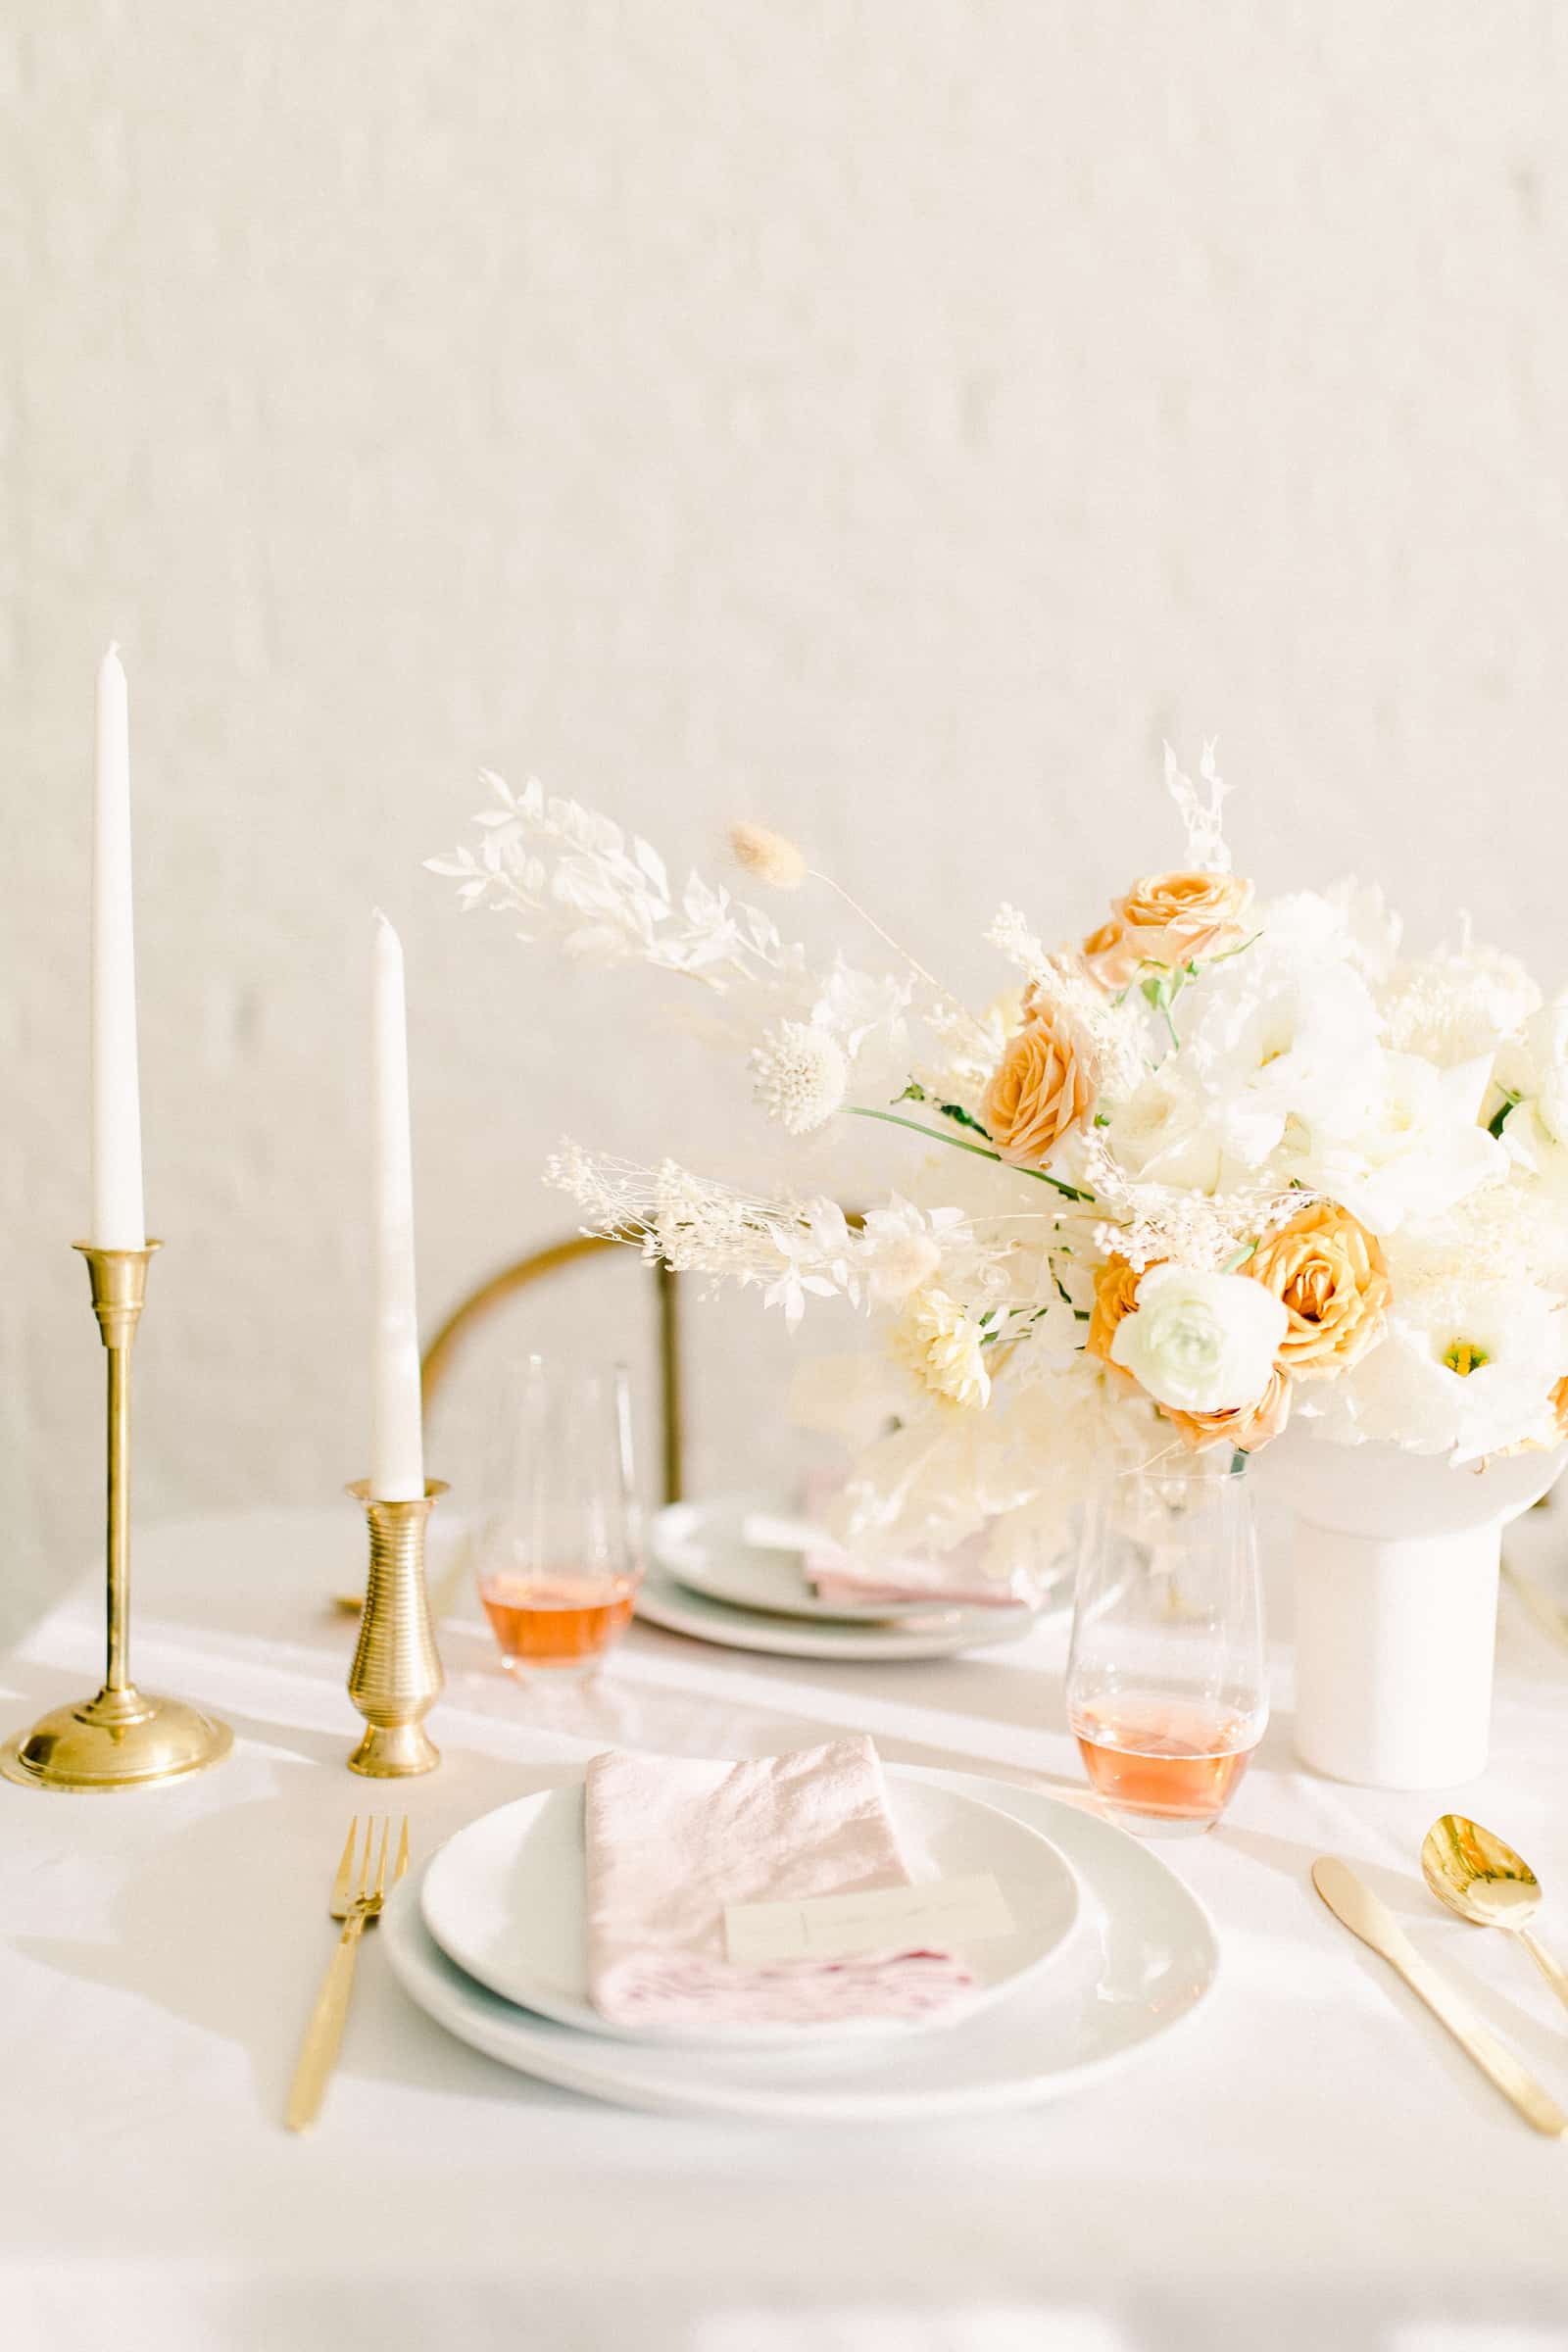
(942, 1914)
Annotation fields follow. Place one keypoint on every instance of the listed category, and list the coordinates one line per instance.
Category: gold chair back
(470, 1313)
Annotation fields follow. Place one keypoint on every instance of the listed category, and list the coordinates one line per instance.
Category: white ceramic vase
(1395, 1580)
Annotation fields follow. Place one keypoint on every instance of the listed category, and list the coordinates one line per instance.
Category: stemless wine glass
(1167, 1682)
(558, 1546)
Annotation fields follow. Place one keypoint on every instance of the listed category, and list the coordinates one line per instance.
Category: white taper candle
(397, 1441)
(119, 1219)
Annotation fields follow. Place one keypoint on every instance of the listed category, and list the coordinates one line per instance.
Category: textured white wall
(891, 418)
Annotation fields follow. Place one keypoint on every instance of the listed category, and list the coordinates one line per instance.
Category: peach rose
(1247, 1429)
(1171, 919)
(1102, 953)
(1115, 1295)
(1330, 1274)
(1039, 1093)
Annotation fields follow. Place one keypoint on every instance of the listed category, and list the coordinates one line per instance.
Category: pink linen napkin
(671, 1840)
(948, 1580)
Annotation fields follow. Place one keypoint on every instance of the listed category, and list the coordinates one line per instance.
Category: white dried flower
(1105, 1036)
(1010, 935)
(1205, 835)
(937, 1340)
(1155, 1223)
(606, 896)
(799, 1075)
(771, 856)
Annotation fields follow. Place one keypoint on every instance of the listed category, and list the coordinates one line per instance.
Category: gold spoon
(1487, 1883)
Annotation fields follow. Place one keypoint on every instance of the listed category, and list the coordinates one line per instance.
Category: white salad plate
(697, 1548)
(506, 1899)
(1141, 1961)
(663, 1599)
(708, 1547)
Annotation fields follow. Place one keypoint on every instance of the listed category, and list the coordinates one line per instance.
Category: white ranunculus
(1199, 1342)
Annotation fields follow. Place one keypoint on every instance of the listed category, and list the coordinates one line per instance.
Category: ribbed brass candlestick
(123, 1737)
(396, 1677)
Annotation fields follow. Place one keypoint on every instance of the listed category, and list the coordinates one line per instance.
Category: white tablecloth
(1307, 2163)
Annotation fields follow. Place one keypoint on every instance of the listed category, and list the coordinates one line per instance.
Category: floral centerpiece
(1218, 1168)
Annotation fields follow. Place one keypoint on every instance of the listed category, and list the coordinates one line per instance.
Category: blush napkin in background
(671, 1840)
(947, 1579)
(950, 1580)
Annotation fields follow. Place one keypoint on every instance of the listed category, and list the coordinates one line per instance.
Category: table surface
(1309, 2160)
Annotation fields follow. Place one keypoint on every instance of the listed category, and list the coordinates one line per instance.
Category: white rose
(1199, 1342)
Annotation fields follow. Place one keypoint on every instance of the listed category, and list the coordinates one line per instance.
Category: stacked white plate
(708, 1577)
(1109, 1951)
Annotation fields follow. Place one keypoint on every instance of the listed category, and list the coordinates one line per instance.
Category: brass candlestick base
(396, 1677)
(123, 1737)
(120, 1739)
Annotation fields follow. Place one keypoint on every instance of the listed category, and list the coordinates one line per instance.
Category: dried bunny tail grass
(774, 858)
(771, 856)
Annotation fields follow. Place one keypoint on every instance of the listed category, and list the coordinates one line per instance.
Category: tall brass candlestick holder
(396, 1677)
(121, 1739)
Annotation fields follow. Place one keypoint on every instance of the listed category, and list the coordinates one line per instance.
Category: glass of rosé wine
(559, 1544)
(1168, 1681)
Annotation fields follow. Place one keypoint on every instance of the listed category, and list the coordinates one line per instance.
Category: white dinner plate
(506, 1899)
(1142, 1958)
(705, 1546)
(663, 1599)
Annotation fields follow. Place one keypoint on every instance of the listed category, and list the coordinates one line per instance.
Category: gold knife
(1361, 1912)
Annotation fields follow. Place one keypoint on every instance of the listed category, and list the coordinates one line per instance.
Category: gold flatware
(356, 1906)
(1361, 1912)
(1486, 1881)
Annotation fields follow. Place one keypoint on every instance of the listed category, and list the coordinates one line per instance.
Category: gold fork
(355, 1907)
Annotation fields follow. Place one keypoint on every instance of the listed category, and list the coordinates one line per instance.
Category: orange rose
(1115, 1295)
(1039, 1093)
(1247, 1429)
(1171, 919)
(1330, 1274)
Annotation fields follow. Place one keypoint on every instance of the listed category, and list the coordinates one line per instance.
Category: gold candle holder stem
(121, 1738)
(117, 1668)
(396, 1677)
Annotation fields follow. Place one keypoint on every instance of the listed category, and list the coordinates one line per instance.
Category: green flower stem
(933, 1135)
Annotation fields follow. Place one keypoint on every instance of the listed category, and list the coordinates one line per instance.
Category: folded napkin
(947, 1579)
(671, 1840)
